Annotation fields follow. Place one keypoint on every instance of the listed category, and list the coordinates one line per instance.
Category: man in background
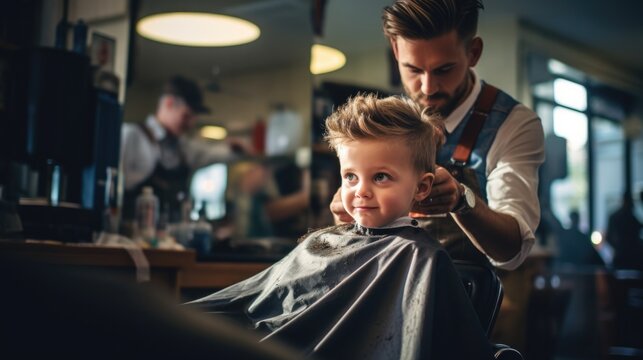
(156, 153)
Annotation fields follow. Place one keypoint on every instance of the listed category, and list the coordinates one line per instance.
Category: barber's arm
(503, 228)
(199, 153)
(496, 233)
(286, 206)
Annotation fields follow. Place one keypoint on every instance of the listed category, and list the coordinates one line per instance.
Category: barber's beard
(449, 104)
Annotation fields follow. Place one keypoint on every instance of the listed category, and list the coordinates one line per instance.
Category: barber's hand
(444, 196)
(337, 208)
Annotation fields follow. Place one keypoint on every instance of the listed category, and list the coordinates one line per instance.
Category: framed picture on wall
(103, 50)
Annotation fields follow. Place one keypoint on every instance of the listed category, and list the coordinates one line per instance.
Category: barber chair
(485, 291)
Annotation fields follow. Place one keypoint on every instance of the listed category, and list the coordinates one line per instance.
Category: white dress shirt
(512, 170)
(139, 155)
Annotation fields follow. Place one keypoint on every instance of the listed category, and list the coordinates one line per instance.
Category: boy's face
(379, 183)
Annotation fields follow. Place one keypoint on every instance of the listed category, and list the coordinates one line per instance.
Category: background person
(575, 247)
(624, 234)
(157, 153)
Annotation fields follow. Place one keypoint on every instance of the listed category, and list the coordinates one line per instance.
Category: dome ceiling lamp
(324, 59)
(214, 132)
(197, 29)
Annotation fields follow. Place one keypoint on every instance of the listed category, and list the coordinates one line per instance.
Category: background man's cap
(187, 90)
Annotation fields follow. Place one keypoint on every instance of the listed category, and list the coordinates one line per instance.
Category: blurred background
(578, 64)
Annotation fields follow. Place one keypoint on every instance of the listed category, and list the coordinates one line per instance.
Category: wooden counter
(217, 275)
(166, 266)
(171, 270)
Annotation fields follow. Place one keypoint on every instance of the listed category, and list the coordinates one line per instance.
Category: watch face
(470, 197)
(467, 201)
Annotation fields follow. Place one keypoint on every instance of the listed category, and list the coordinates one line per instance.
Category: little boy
(368, 290)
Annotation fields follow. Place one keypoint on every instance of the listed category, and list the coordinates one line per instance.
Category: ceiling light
(214, 132)
(197, 29)
(325, 59)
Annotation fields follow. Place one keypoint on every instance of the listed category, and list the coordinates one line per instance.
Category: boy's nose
(363, 191)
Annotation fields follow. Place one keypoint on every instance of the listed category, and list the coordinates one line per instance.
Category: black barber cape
(347, 292)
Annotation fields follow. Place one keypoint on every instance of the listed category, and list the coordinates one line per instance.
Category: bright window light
(572, 125)
(570, 94)
(559, 68)
(197, 29)
(324, 59)
(208, 187)
(597, 238)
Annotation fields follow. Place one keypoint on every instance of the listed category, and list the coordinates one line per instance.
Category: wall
(500, 63)
(367, 69)
(108, 17)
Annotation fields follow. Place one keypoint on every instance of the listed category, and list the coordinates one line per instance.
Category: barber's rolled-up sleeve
(512, 176)
(199, 153)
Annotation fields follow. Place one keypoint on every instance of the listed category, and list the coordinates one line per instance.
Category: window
(588, 155)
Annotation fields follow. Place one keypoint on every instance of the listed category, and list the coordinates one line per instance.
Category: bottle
(80, 37)
(147, 214)
(202, 240)
(259, 136)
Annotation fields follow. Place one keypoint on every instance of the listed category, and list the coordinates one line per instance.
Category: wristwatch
(467, 201)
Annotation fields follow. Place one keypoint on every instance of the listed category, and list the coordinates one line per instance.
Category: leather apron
(170, 186)
(445, 229)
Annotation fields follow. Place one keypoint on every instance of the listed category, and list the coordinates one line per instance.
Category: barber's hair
(427, 19)
(365, 117)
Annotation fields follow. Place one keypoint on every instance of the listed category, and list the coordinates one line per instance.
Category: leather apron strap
(469, 136)
(446, 230)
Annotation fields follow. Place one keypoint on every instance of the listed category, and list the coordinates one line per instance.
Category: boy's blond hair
(366, 117)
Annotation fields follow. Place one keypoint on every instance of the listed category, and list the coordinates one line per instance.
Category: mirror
(368, 68)
(260, 93)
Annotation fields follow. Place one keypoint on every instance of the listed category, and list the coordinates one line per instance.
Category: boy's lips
(364, 208)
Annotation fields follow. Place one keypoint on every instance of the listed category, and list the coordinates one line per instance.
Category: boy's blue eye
(380, 177)
(349, 177)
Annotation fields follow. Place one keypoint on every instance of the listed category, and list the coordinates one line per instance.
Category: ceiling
(612, 29)
(286, 35)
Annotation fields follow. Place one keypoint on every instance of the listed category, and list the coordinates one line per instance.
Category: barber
(488, 174)
(157, 153)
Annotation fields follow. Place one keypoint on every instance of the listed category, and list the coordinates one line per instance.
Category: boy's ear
(424, 186)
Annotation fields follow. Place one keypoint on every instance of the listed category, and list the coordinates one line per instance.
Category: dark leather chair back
(484, 289)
